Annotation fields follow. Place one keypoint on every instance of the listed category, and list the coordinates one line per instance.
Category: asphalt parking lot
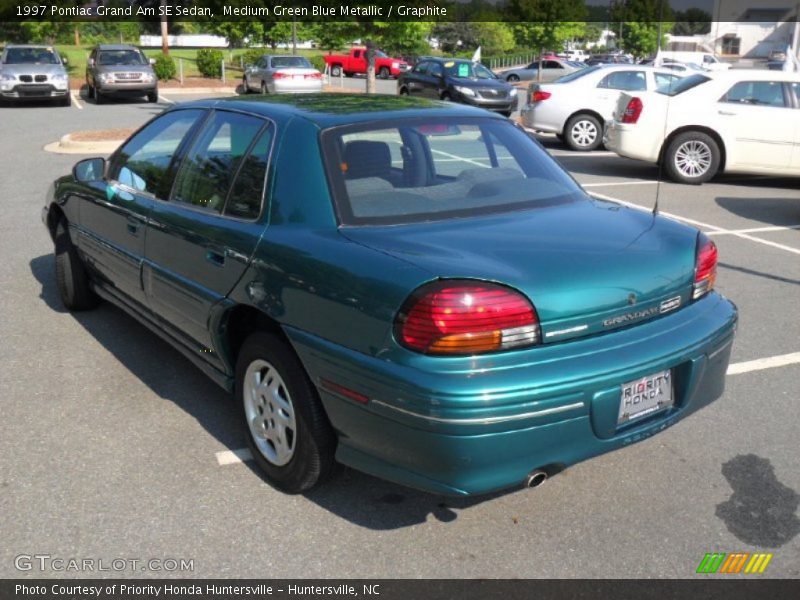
(115, 446)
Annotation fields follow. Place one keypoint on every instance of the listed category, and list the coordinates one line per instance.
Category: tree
(547, 24)
(692, 21)
(639, 20)
(334, 35)
(454, 35)
(494, 37)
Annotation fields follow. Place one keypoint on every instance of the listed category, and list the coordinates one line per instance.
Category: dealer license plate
(645, 396)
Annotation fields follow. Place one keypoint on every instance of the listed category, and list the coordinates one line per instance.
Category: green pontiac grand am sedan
(415, 289)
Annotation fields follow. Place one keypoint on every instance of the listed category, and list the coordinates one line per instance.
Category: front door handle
(133, 228)
(727, 113)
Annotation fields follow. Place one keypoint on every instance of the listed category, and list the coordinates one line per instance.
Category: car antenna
(663, 137)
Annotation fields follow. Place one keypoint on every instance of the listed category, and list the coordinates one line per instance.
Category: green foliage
(692, 21)
(318, 61)
(493, 37)
(641, 38)
(209, 62)
(251, 56)
(333, 36)
(164, 67)
(547, 24)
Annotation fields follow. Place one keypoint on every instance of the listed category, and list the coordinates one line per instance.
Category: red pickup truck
(356, 62)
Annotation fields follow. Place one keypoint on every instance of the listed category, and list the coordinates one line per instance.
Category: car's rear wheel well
(240, 322)
(695, 128)
(583, 111)
(54, 215)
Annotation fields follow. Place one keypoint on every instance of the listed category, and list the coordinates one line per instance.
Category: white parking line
(240, 455)
(233, 457)
(612, 183)
(165, 99)
(756, 230)
(764, 363)
(76, 95)
(712, 228)
(460, 158)
(595, 154)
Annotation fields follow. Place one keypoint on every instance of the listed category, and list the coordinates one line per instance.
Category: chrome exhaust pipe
(536, 478)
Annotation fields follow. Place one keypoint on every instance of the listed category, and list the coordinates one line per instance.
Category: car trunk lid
(587, 266)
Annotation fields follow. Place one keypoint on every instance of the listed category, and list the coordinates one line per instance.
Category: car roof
(48, 46)
(116, 47)
(331, 110)
(444, 59)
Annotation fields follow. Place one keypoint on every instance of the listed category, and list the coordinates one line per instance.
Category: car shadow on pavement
(781, 212)
(363, 500)
(608, 166)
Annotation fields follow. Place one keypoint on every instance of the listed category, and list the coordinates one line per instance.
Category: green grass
(77, 57)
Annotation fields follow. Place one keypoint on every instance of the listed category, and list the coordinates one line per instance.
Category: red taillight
(539, 95)
(705, 268)
(633, 111)
(281, 75)
(466, 317)
(313, 75)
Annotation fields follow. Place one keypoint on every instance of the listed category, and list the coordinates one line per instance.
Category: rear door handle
(727, 113)
(215, 258)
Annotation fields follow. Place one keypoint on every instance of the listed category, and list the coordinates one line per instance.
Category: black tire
(98, 97)
(583, 133)
(560, 137)
(152, 96)
(446, 97)
(336, 71)
(707, 161)
(66, 100)
(506, 113)
(264, 89)
(403, 91)
(512, 78)
(312, 460)
(384, 73)
(71, 278)
(90, 91)
(245, 86)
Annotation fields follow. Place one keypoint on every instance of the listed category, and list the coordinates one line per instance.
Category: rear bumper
(474, 425)
(536, 117)
(631, 141)
(295, 86)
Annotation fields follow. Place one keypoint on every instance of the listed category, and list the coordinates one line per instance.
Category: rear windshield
(416, 170)
(291, 62)
(120, 58)
(41, 56)
(584, 70)
(682, 85)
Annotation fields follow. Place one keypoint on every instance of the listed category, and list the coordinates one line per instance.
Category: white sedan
(738, 121)
(576, 106)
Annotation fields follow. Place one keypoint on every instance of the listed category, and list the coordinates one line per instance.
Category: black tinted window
(205, 176)
(248, 189)
(143, 162)
(683, 85)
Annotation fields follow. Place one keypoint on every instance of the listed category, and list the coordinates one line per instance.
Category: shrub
(318, 61)
(251, 56)
(209, 62)
(164, 67)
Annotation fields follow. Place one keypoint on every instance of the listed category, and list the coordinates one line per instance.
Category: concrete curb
(66, 145)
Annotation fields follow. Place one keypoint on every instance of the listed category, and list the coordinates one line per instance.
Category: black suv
(458, 80)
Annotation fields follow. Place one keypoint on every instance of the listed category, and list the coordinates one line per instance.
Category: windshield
(291, 61)
(682, 85)
(467, 70)
(381, 54)
(437, 168)
(41, 56)
(120, 57)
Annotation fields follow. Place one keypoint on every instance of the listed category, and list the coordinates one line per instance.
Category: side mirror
(152, 61)
(90, 169)
(90, 62)
(64, 60)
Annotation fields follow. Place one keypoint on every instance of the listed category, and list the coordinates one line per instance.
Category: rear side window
(206, 174)
(577, 74)
(664, 80)
(629, 81)
(796, 90)
(760, 93)
(439, 168)
(143, 162)
(683, 85)
(248, 189)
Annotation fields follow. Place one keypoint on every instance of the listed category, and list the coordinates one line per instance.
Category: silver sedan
(552, 69)
(276, 74)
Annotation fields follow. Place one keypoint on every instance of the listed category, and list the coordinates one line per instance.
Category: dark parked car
(458, 80)
(413, 288)
(608, 59)
(29, 72)
(122, 71)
